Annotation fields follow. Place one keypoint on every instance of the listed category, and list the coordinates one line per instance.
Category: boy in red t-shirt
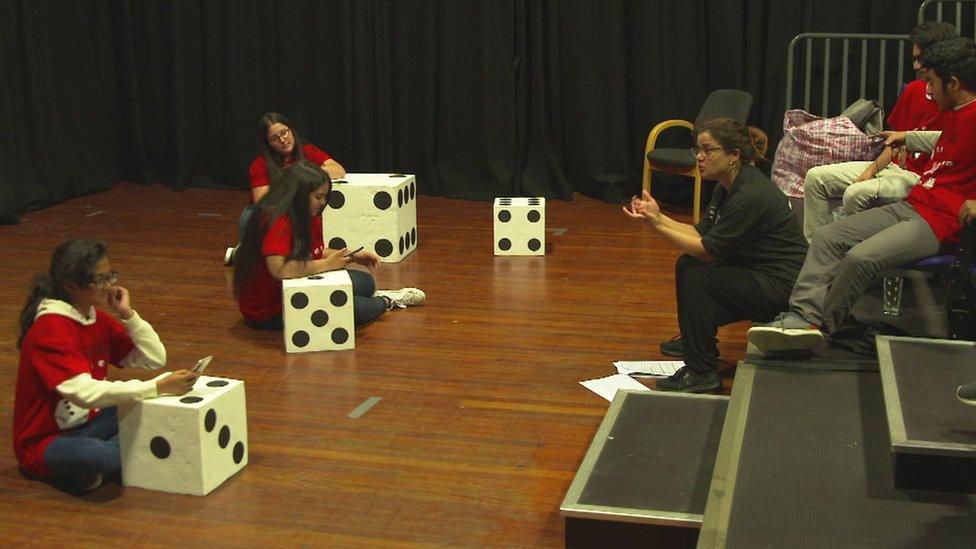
(847, 255)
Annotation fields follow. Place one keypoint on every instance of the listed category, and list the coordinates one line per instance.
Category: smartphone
(359, 249)
(201, 364)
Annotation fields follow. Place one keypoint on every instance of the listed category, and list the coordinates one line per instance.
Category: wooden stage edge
(481, 422)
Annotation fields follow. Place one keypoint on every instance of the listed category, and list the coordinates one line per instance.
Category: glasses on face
(704, 151)
(281, 136)
(105, 280)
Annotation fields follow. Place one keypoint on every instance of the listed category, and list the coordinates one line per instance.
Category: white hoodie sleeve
(149, 352)
(86, 392)
(921, 141)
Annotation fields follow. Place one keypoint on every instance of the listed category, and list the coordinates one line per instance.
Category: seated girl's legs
(243, 219)
(713, 296)
(89, 449)
(366, 307)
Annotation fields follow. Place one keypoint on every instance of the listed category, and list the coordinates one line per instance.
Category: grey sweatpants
(847, 255)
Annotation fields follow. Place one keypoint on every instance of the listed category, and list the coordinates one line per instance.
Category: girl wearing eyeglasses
(283, 239)
(65, 426)
(280, 146)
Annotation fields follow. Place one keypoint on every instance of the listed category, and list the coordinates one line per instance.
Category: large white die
(187, 444)
(520, 226)
(374, 210)
(318, 312)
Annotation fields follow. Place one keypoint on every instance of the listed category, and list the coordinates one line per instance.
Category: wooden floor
(482, 422)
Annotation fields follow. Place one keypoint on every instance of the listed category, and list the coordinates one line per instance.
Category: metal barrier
(964, 12)
(871, 66)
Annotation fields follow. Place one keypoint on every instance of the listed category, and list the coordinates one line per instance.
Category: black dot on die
(299, 300)
(340, 336)
(71, 412)
(337, 243)
(217, 383)
(397, 175)
(300, 338)
(320, 318)
(384, 247)
(316, 277)
(401, 245)
(534, 202)
(336, 199)
(413, 191)
(238, 452)
(338, 298)
(210, 420)
(382, 200)
(534, 244)
(534, 216)
(413, 236)
(504, 244)
(504, 216)
(159, 447)
(400, 198)
(223, 437)
(190, 400)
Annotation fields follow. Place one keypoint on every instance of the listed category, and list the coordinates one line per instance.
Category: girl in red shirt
(65, 425)
(283, 239)
(279, 146)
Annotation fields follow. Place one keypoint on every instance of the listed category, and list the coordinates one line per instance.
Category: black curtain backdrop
(479, 98)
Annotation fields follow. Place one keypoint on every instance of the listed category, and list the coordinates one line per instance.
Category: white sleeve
(149, 353)
(921, 141)
(86, 392)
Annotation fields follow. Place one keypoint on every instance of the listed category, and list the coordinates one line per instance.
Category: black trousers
(711, 296)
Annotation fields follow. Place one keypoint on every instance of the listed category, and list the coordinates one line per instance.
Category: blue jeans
(365, 307)
(91, 448)
(243, 219)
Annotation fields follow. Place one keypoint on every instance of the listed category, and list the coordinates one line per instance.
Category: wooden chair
(734, 104)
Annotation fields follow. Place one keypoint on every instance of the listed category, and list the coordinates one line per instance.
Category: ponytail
(72, 261)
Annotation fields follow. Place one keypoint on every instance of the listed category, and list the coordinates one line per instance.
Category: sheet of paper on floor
(607, 386)
(651, 368)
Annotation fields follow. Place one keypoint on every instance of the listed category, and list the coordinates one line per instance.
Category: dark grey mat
(927, 374)
(659, 455)
(824, 357)
(815, 471)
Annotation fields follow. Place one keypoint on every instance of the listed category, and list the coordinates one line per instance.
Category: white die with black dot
(186, 444)
(520, 226)
(318, 312)
(375, 210)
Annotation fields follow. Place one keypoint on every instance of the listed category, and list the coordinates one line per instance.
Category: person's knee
(862, 261)
(857, 198)
(684, 263)
(813, 182)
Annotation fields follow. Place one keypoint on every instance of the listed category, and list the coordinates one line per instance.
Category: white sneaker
(404, 297)
(229, 256)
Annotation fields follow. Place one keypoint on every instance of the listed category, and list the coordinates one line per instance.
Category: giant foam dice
(375, 210)
(187, 444)
(520, 226)
(318, 312)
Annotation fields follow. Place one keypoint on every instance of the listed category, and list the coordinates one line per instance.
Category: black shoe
(675, 347)
(689, 381)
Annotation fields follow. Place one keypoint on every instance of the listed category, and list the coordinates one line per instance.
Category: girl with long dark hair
(279, 146)
(283, 239)
(65, 426)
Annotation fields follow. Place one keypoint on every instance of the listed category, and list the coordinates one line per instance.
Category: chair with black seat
(734, 104)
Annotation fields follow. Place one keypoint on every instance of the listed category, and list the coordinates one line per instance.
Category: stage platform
(644, 480)
(933, 435)
(804, 461)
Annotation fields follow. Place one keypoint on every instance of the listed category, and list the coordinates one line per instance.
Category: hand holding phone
(201, 364)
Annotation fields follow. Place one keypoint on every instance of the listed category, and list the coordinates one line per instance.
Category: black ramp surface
(927, 374)
(824, 357)
(659, 455)
(815, 471)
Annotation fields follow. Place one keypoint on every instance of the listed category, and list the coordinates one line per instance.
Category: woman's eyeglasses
(705, 151)
(105, 280)
(281, 136)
